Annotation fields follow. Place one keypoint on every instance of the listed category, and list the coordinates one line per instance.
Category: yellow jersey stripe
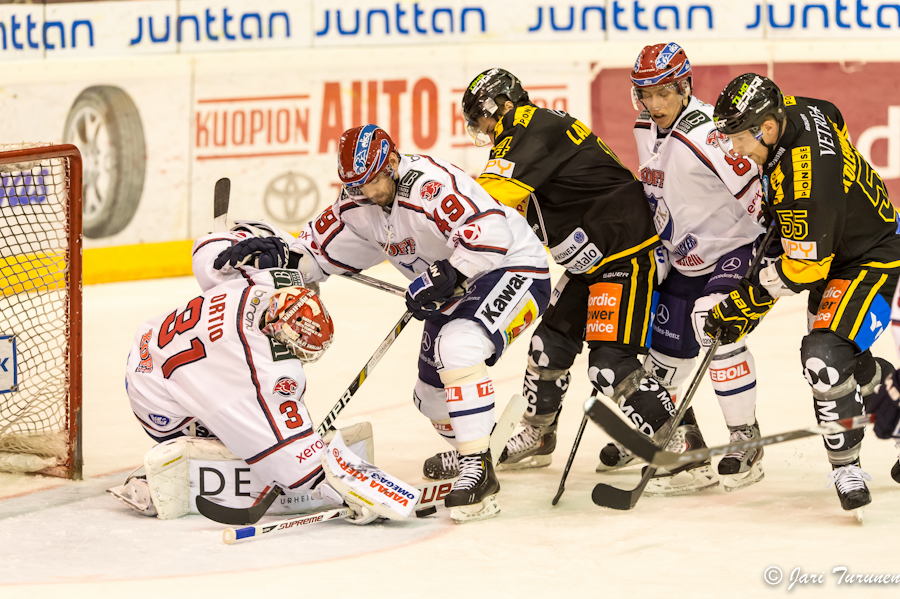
(865, 308)
(846, 300)
(625, 253)
(805, 271)
(888, 265)
(632, 292)
(651, 280)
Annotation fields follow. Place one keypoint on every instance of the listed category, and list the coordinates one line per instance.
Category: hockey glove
(885, 404)
(258, 252)
(431, 289)
(739, 313)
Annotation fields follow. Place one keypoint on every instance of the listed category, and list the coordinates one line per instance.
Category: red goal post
(40, 309)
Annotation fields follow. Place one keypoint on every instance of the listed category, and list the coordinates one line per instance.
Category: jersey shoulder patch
(405, 185)
(644, 116)
(692, 120)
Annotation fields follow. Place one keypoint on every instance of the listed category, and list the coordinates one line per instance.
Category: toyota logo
(291, 199)
(662, 314)
(731, 264)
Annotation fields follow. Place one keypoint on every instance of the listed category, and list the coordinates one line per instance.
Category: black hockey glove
(258, 252)
(431, 289)
(739, 313)
(885, 404)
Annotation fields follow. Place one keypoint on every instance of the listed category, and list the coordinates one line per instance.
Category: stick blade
(221, 197)
(614, 498)
(237, 516)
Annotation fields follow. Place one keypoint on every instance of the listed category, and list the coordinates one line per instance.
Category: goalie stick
(562, 481)
(624, 499)
(240, 516)
(642, 446)
(221, 197)
(230, 535)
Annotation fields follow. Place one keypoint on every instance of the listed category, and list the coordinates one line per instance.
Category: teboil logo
(453, 393)
(731, 373)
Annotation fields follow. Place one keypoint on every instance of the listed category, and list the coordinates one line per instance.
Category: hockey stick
(624, 499)
(562, 482)
(372, 282)
(240, 516)
(221, 197)
(230, 535)
(328, 422)
(643, 447)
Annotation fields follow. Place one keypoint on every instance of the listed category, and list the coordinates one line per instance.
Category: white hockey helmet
(258, 228)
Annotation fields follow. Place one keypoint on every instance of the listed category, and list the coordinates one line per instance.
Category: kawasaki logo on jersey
(503, 298)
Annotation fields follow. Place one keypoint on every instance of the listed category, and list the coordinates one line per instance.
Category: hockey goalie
(218, 382)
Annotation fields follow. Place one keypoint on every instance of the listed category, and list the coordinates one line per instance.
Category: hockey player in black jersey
(590, 211)
(840, 238)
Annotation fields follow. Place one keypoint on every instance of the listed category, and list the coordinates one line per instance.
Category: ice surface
(69, 539)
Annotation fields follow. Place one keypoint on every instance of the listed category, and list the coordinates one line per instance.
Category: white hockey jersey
(208, 361)
(439, 212)
(705, 202)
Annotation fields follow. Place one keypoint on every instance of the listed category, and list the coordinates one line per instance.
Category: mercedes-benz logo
(291, 199)
(732, 263)
(426, 342)
(662, 314)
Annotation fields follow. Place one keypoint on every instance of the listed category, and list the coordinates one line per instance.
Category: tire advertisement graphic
(105, 125)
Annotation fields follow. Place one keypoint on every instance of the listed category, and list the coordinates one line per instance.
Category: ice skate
(850, 482)
(615, 457)
(531, 447)
(474, 496)
(442, 466)
(135, 493)
(895, 471)
(690, 478)
(742, 468)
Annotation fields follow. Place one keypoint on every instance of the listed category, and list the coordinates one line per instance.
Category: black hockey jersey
(577, 196)
(832, 206)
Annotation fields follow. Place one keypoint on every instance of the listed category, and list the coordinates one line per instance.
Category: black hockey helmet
(480, 98)
(745, 103)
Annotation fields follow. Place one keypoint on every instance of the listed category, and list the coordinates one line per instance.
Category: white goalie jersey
(439, 213)
(705, 202)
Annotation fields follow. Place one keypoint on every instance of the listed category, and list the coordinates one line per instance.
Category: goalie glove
(739, 313)
(431, 289)
(885, 404)
(258, 252)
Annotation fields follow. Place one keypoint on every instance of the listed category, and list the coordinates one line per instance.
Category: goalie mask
(296, 318)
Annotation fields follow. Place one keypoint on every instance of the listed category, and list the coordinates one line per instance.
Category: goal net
(40, 309)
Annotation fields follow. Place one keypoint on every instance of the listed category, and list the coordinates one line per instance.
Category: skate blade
(601, 467)
(683, 483)
(533, 461)
(860, 514)
(488, 508)
(735, 482)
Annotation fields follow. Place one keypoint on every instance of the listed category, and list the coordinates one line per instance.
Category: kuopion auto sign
(65, 30)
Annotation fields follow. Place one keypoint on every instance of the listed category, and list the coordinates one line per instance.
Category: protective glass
(484, 107)
(639, 93)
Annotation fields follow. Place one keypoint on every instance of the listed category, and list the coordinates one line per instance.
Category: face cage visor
(637, 93)
(486, 108)
(355, 193)
(726, 145)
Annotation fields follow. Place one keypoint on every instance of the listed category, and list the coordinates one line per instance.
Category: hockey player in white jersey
(706, 203)
(228, 365)
(479, 277)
